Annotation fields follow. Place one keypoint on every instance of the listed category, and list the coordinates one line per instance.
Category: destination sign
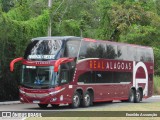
(41, 56)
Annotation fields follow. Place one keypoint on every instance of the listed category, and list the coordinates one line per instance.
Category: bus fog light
(53, 99)
(21, 91)
(21, 99)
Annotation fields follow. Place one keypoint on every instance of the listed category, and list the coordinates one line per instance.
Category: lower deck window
(105, 77)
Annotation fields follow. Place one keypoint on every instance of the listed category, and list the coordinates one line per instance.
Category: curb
(9, 102)
(156, 96)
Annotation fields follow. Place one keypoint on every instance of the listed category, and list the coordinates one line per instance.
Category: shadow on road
(96, 105)
(67, 107)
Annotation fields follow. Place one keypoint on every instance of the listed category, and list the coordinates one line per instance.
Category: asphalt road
(34, 107)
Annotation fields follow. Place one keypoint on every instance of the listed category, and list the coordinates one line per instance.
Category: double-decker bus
(80, 71)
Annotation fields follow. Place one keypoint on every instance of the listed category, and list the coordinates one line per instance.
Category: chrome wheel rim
(87, 100)
(76, 100)
(138, 96)
(132, 97)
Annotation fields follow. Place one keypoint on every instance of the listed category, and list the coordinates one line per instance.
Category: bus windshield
(43, 49)
(38, 77)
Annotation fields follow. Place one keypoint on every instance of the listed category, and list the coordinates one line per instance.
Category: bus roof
(116, 43)
(88, 39)
(54, 38)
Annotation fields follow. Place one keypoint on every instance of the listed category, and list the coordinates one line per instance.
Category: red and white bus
(79, 71)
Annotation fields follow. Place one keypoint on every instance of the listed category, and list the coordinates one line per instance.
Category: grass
(157, 85)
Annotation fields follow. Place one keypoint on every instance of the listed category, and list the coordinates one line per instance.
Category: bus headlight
(57, 91)
(21, 91)
(21, 99)
(53, 93)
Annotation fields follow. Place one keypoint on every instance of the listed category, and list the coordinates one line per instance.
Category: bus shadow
(67, 107)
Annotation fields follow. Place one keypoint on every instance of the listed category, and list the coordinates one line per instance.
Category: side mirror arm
(13, 62)
(61, 61)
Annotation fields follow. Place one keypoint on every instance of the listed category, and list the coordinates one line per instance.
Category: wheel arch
(133, 88)
(91, 91)
(141, 91)
(80, 91)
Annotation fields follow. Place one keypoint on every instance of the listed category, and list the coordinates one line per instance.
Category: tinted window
(131, 53)
(71, 48)
(111, 51)
(87, 50)
(64, 77)
(42, 49)
(100, 50)
(97, 50)
(122, 52)
(66, 72)
(149, 55)
(105, 77)
(86, 78)
(122, 77)
(141, 55)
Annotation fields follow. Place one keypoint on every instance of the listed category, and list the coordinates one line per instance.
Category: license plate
(36, 101)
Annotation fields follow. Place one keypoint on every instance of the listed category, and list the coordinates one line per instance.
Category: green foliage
(71, 27)
(156, 60)
(7, 5)
(72, 17)
(14, 37)
(138, 34)
(157, 85)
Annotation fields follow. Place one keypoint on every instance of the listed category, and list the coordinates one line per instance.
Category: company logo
(110, 65)
(136, 81)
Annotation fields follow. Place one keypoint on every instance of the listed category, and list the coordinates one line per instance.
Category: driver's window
(64, 76)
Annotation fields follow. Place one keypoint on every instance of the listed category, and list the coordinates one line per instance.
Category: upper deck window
(97, 50)
(43, 49)
(71, 48)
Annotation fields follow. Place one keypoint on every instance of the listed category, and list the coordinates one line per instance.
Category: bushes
(14, 37)
(157, 85)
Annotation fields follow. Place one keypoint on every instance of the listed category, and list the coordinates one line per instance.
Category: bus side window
(149, 55)
(85, 78)
(141, 55)
(131, 56)
(111, 51)
(64, 75)
(122, 52)
(71, 48)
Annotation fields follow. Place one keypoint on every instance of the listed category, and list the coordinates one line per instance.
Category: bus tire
(55, 105)
(75, 100)
(43, 105)
(87, 99)
(138, 96)
(132, 96)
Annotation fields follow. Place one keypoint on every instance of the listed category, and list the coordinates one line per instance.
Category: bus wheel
(138, 96)
(43, 105)
(86, 99)
(75, 100)
(132, 96)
